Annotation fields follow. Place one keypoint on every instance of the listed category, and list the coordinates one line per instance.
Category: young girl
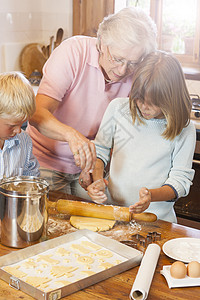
(152, 142)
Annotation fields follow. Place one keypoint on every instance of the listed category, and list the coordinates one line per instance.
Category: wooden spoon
(59, 36)
(51, 45)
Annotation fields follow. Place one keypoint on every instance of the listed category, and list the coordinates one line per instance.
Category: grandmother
(81, 77)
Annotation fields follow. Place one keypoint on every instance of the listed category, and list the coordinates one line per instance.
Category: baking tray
(132, 258)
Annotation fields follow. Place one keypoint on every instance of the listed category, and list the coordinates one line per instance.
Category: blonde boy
(17, 105)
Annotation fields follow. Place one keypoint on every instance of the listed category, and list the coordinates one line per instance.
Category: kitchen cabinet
(87, 14)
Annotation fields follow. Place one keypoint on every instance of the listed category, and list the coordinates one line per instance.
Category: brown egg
(193, 269)
(178, 270)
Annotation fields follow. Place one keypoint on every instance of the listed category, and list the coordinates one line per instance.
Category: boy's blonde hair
(17, 98)
(159, 79)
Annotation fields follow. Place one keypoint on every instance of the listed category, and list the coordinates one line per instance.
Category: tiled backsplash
(25, 21)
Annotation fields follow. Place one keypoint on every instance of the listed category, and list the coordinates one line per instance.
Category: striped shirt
(16, 157)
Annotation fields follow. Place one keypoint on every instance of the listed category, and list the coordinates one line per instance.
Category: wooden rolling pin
(110, 212)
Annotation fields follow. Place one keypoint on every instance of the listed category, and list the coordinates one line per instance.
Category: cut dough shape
(37, 281)
(85, 260)
(88, 273)
(15, 272)
(80, 248)
(29, 264)
(94, 224)
(90, 245)
(62, 252)
(44, 286)
(58, 271)
(48, 259)
(106, 265)
(117, 262)
(104, 253)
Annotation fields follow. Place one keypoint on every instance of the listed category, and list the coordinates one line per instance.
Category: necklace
(108, 80)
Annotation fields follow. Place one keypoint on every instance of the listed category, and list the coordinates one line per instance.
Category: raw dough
(29, 264)
(62, 252)
(80, 248)
(58, 271)
(48, 259)
(94, 224)
(37, 281)
(54, 268)
(85, 260)
(14, 271)
(88, 273)
(104, 253)
(106, 265)
(90, 245)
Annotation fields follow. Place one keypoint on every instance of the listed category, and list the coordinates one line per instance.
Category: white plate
(183, 249)
(183, 282)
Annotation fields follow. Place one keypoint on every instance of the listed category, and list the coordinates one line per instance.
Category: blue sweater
(143, 158)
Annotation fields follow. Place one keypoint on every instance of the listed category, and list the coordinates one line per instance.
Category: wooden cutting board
(32, 59)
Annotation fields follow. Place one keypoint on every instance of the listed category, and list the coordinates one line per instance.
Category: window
(178, 24)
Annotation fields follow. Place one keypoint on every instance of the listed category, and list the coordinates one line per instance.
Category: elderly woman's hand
(143, 203)
(83, 150)
(96, 191)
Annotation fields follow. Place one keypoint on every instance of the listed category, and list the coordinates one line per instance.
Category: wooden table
(119, 286)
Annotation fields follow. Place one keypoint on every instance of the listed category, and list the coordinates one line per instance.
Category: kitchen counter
(119, 286)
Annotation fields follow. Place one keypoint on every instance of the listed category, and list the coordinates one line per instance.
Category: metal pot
(23, 210)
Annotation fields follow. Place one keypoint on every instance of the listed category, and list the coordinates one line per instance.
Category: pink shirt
(73, 77)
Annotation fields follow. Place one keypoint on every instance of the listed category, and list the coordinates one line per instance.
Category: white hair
(128, 28)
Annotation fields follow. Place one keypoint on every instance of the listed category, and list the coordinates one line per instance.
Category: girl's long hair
(160, 79)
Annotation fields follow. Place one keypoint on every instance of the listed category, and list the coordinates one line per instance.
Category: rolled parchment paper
(141, 285)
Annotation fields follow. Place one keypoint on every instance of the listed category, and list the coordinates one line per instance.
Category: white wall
(30, 21)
